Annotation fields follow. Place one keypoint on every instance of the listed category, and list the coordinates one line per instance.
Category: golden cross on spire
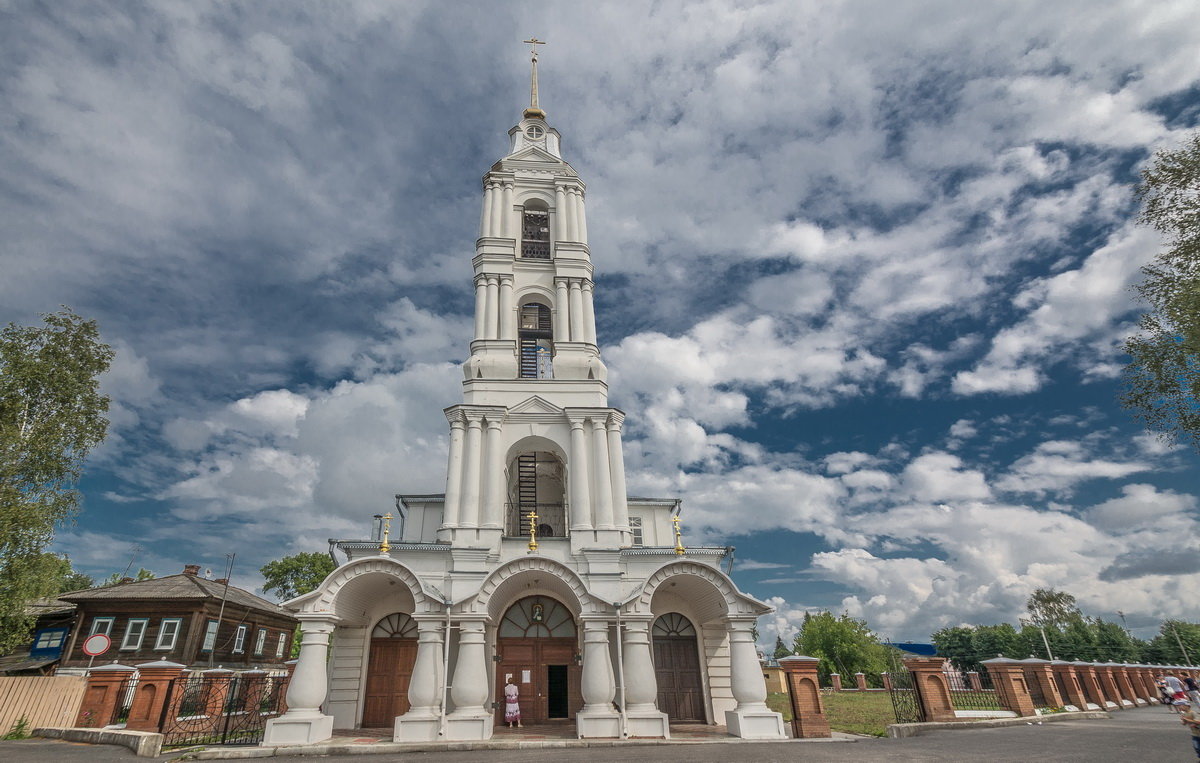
(533, 544)
(679, 549)
(533, 111)
(384, 546)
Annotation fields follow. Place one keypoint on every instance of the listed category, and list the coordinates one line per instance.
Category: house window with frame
(260, 642)
(635, 529)
(210, 636)
(168, 633)
(135, 631)
(280, 646)
(239, 639)
(50, 639)
(103, 625)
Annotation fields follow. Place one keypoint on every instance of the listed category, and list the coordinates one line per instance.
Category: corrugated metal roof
(180, 586)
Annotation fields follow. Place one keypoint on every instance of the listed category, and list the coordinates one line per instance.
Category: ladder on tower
(526, 490)
(529, 357)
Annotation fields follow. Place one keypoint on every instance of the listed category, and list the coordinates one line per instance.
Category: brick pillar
(887, 680)
(932, 688)
(860, 681)
(836, 680)
(1040, 671)
(1124, 685)
(1070, 684)
(101, 695)
(973, 680)
(1149, 688)
(1107, 685)
(1090, 683)
(1008, 676)
(154, 684)
(808, 712)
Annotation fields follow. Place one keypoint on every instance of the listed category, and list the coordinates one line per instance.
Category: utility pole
(221, 612)
(1046, 641)
(1179, 641)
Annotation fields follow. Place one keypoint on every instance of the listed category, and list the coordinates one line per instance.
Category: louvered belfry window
(534, 336)
(535, 234)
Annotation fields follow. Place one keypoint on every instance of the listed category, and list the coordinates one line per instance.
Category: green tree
(1162, 379)
(988, 641)
(1174, 637)
(51, 417)
(1113, 643)
(1050, 608)
(296, 575)
(955, 644)
(1079, 642)
(60, 576)
(781, 649)
(844, 645)
(116, 577)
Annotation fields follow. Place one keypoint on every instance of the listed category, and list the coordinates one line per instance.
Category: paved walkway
(1132, 735)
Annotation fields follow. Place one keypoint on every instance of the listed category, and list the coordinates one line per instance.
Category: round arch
(534, 443)
(354, 590)
(534, 198)
(534, 293)
(509, 581)
(711, 594)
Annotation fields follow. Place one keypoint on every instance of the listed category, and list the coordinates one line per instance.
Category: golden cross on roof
(533, 111)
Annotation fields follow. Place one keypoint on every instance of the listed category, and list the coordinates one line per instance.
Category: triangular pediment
(534, 154)
(534, 404)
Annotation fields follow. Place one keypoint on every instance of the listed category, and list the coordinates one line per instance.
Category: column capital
(574, 283)
(495, 421)
(616, 419)
(506, 279)
(562, 281)
(317, 622)
(456, 417)
(493, 279)
(586, 284)
(475, 422)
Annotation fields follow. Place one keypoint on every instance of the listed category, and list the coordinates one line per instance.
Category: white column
(616, 466)
(571, 234)
(602, 477)
(589, 313)
(581, 219)
(493, 476)
(506, 210)
(472, 454)
(304, 723)
(480, 307)
(597, 685)
(561, 311)
(577, 475)
(454, 473)
(496, 219)
(508, 319)
(493, 307)
(641, 688)
(469, 689)
(485, 222)
(746, 679)
(559, 231)
(425, 686)
(576, 326)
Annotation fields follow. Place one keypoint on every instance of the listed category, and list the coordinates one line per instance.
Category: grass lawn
(851, 712)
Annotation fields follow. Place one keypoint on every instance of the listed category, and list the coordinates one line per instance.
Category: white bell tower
(534, 441)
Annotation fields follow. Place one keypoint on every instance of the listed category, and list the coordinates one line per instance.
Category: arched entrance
(389, 669)
(536, 645)
(677, 668)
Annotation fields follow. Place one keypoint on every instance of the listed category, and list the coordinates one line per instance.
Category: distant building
(52, 628)
(179, 618)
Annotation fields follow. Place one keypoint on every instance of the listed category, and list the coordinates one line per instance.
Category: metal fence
(972, 691)
(125, 695)
(1034, 687)
(203, 710)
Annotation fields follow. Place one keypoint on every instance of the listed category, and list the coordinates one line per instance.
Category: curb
(145, 744)
(905, 730)
(383, 748)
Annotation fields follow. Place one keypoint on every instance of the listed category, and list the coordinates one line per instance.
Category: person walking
(512, 705)
(1179, 698)
(1191, 719)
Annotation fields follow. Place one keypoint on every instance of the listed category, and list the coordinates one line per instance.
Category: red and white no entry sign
(96, 645)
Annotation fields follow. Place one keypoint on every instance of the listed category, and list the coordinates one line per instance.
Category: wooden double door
(677, 670)
(389, 670)
(544, 672)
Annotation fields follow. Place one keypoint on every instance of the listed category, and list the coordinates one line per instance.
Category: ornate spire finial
(384, 545)
(533, 112)
(679, 549)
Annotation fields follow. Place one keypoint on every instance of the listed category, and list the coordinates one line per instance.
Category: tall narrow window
(210, 636)
(135, 631)
(535, 234)
(168, 633)
(239, 639)
(535, 335)
(635, 529)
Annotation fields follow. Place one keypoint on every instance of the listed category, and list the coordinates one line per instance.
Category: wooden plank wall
(41, 700)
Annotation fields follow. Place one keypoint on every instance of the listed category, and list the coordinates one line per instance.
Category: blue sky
(863, 274)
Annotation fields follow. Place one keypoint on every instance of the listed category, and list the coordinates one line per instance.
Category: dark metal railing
(972, 691)
(535, 250)
(125, 696)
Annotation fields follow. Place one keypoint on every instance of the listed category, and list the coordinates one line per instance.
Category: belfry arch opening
(535, 336)
(536, 495)
(535, 230)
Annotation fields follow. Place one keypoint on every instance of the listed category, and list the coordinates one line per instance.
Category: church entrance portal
(536, 646)
(677, 668)
(389, 669)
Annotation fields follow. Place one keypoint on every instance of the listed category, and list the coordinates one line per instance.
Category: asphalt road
(1149, 734)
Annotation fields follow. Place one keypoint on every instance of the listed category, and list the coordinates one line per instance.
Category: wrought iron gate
(223, 709)
(904, 691)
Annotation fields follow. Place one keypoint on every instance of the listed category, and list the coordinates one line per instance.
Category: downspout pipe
(624, 730)
(445, 672)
